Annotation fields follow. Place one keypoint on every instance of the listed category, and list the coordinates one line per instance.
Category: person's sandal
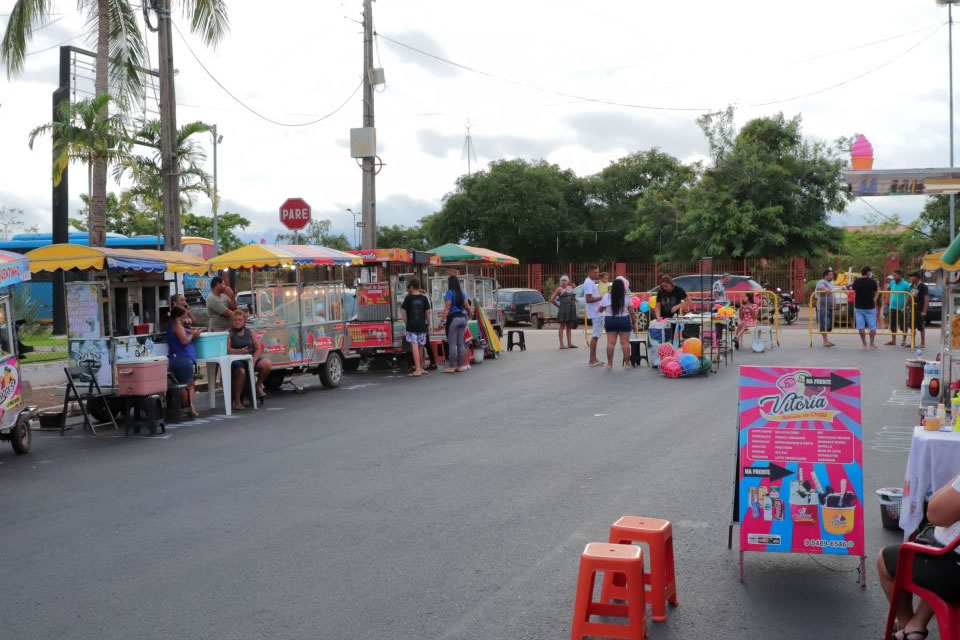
(909, 635)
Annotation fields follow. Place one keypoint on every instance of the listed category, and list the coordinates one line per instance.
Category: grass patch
(43, 338)
(34, 357)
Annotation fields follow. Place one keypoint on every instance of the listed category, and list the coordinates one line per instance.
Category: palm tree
(83, 132)
(120, 54)
(145, 171)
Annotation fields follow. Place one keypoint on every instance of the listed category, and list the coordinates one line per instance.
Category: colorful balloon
(645, 306)
(690, 363)
(673, 369)
(665, 351)
(705, 364)
(694, 346)
(636, 302)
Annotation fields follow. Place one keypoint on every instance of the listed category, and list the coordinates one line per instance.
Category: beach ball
(705, 364)
(665, 351)
(728, 311)
(645, 306)
(694, 346)
(672, 369)
(636, 302)
(690, 363)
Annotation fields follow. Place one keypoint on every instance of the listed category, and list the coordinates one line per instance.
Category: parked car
(935, 303)
(515, 303)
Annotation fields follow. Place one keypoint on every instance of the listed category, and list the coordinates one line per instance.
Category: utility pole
(216, 194)
(468, 150)
(170, 162)
(950, 45)
(369, 202)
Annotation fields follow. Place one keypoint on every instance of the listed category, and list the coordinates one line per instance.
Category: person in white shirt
(619, 319)
(940, 574)
(591, 298)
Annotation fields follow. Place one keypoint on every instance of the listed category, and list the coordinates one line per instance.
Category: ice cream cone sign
(861, 154)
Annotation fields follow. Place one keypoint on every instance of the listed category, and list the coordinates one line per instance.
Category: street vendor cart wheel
(332, 370)
(20, 436)
(536, 321)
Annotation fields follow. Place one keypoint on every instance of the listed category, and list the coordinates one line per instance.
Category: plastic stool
(626, 561)
(635, 356)
(765, 331)
(520, 342)
(658, 536)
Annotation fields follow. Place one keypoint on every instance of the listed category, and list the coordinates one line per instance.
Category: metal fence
(833, 313)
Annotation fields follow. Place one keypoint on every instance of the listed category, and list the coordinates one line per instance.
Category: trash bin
(890, 500)
(915, 373)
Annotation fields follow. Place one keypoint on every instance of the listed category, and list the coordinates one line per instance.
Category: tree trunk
(98, 197)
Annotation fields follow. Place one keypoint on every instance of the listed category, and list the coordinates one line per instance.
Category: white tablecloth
(224, 363)
(934, 461)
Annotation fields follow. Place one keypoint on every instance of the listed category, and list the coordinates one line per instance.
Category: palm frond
(208, 19)
(25, 17)
(127, 53)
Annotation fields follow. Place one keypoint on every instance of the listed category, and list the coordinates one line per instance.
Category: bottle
(777, 503)
(767, 508)
(754, 502)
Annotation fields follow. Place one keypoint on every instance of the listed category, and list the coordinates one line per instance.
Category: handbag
(926, 537)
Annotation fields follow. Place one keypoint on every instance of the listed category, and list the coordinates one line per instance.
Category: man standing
(221, 303)
(899, 295)
(592, 298)
(720, 289)
(921, 299)
(866, 290)
(416, 317)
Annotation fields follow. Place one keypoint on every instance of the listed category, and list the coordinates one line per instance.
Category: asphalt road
(446, 507)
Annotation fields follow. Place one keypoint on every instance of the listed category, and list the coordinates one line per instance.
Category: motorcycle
(789, 309)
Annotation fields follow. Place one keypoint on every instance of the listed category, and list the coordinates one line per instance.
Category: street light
(950, 4)
(356, 242)
(217, 139)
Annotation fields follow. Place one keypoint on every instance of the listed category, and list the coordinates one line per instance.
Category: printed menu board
(83, 310)
(800, 463)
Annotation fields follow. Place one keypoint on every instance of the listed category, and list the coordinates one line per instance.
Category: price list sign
(800, 461)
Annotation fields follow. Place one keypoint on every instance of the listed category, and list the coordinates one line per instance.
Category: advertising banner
(800, 462)
(373, 293)
(365, 335)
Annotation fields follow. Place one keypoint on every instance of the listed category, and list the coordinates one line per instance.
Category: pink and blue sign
(800, 463)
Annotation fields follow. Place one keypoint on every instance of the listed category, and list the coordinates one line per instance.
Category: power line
(866, 44)
(892, 219)
(655, 107)
(251, 109)
(59, 44)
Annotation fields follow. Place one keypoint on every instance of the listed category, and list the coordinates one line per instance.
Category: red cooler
(143, 376)
(915, 373)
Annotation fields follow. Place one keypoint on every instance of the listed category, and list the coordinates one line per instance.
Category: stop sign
(294, 213)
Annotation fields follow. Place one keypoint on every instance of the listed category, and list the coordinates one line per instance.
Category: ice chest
(142, 376)
(211, 344)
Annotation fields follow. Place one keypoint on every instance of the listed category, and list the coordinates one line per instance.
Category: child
(416, 316)
(748, 317)
(604, 284)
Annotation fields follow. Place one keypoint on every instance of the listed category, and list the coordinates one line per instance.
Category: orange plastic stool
(658, 536)
(626, 561)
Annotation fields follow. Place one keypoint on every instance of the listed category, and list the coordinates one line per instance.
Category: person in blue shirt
(182, 353)
(456, 311)
(899, 301)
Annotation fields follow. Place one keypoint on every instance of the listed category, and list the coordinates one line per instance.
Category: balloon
(666, 361)
(665, 351)
(694, 346)
(705, 364)
(690, 363)
(636, 302)
(645, 306)
(673, 369)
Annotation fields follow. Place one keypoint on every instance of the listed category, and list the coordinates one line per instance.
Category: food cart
(378, 329)
(121, 309)
(15, 415)
(461, 260)
(944, 266)
(298, 300)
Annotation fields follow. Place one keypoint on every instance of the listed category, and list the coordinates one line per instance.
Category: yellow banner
(801, 416)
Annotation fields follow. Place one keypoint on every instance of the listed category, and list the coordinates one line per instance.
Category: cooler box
(211, 344)
(142, 376)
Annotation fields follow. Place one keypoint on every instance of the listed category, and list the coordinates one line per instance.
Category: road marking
(901, 398)
(693, 524)
(362, 386)
(599, 415)
(894, 439)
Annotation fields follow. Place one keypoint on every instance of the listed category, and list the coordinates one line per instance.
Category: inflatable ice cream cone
(861, 154)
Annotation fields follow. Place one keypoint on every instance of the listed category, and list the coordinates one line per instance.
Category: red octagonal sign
(295, 213)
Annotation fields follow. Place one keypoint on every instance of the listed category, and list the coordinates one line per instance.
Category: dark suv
(515, 303)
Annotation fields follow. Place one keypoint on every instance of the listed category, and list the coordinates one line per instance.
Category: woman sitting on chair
(940, 574)
(243, 342)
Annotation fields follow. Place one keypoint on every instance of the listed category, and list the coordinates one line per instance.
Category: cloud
(608, 131)
(424, 42)
(439, 145)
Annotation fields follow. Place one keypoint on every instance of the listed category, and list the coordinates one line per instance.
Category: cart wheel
(536, 321)
(332, 371)
(274, 381)
(20, 436)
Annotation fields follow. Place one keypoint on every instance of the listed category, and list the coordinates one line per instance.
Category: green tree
(770, 193)
(120, 51)
(144, 171)
(525, 209)
(227, 223)
(934, 220)
(122, 217)
(401, 237)
(85, 131)
(317, 232)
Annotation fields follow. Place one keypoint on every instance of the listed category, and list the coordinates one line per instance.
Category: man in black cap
(865, 291)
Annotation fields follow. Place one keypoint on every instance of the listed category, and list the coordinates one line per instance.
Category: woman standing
(243, 342)
(456, 310)
(618, 320)
(565, 298)
(182, 354)
(825, 292)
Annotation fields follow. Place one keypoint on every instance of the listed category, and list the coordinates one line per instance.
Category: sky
(578, 84)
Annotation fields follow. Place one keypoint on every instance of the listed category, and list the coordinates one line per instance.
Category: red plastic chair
(948, 615)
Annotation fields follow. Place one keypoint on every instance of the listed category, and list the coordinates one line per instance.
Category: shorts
(940, 574)
(597, 328)
(417, 338)
(182, 369)
(242, 364)
(617, 324)
(866, 319)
